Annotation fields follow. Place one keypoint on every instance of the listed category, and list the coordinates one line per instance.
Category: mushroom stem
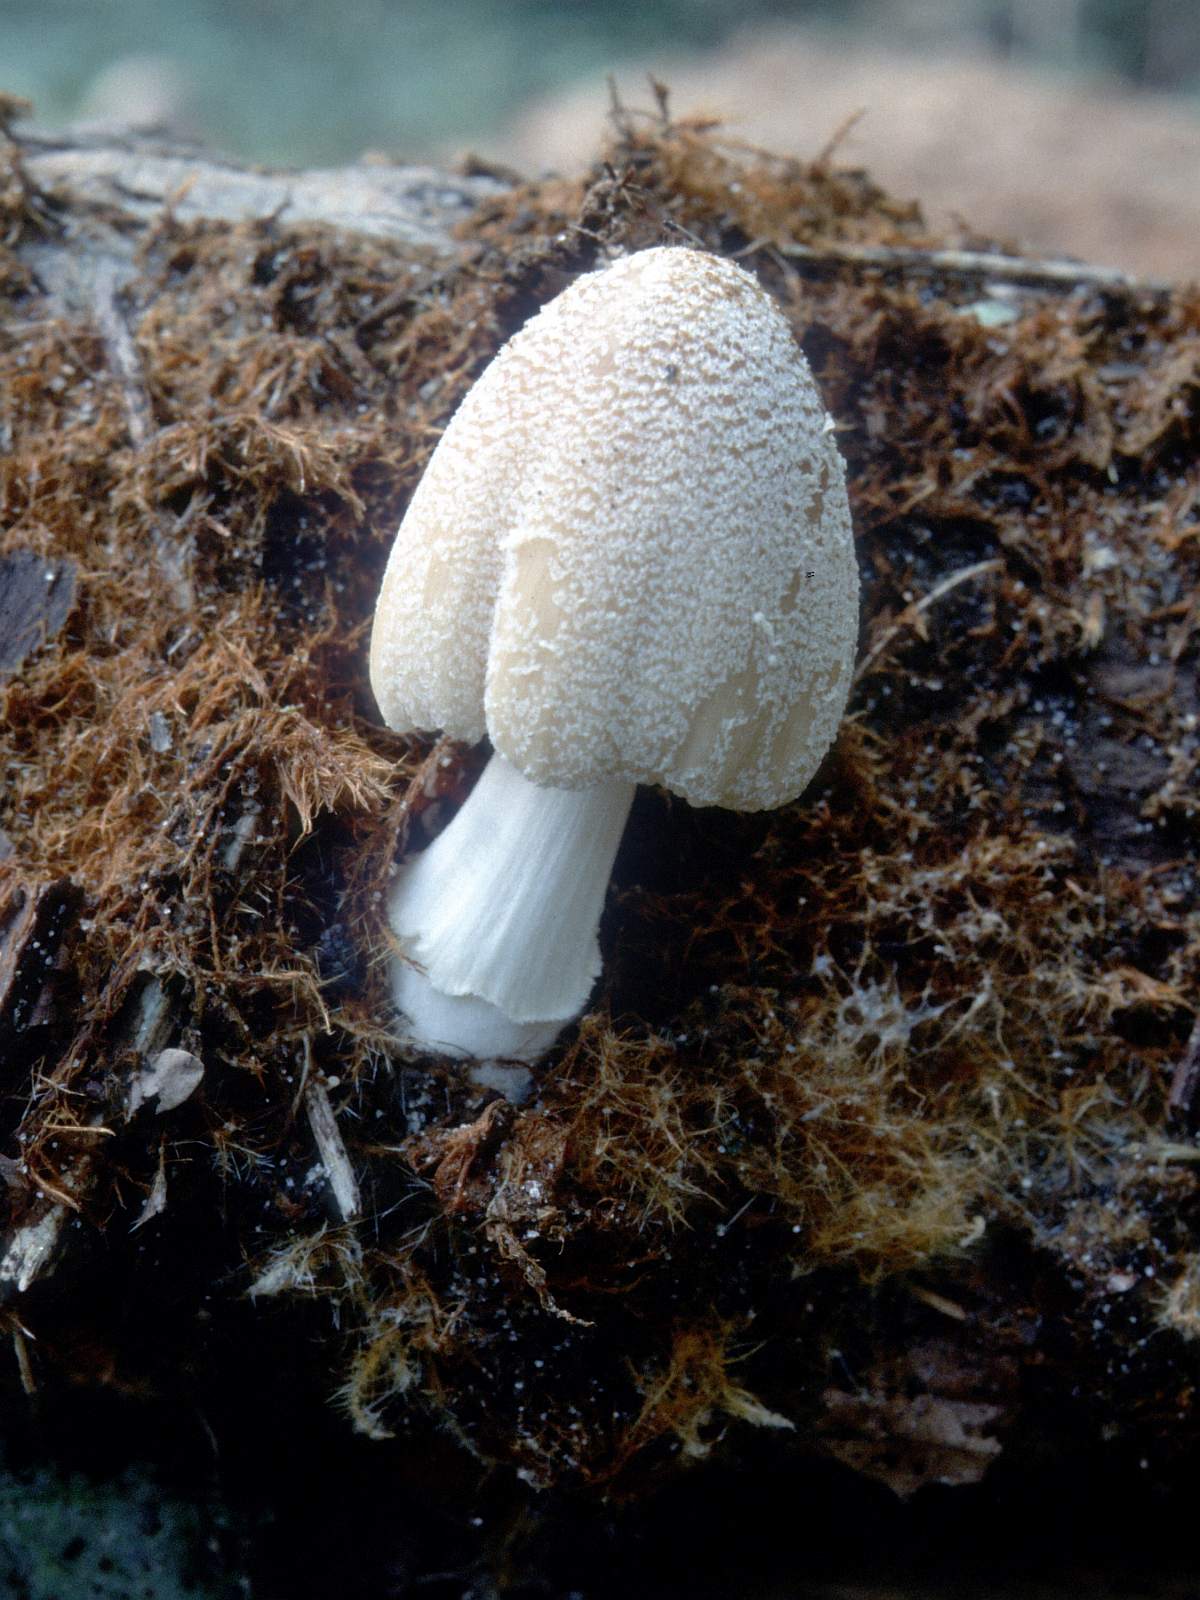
(497, 919)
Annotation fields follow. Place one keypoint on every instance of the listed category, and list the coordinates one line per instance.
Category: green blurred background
(311, 81)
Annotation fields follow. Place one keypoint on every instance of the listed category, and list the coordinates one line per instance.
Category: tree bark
(107, 189)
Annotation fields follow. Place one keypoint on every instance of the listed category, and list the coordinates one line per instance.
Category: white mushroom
(628, 561)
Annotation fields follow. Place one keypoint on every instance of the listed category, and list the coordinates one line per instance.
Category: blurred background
(1068, 125)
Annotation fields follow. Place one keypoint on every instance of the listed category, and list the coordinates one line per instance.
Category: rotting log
(88, 202)
(110, 190)
(867, 1143)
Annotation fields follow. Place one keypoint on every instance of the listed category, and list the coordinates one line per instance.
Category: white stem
(497, 920)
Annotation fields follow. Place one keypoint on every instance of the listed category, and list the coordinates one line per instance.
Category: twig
(122, 353)
(938, 1302)
(30, 1249)
(968, 264)
(20, 1338)
(837, 138)
(1165, 1151)
(342, 1182)
(171, 546)
(911, 612)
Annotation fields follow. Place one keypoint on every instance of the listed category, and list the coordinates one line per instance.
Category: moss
(875, 1073)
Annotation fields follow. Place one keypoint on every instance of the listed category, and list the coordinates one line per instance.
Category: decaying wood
(332, 1149)
(33, 920)
(988, 266)
(138, 178)
(866, 1143)
(35, 600)
(98, 197)
(108, 191)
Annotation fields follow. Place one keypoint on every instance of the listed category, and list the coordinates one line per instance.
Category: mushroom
(628, 561)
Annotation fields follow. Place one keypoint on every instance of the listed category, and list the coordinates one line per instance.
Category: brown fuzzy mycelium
(866, 1137)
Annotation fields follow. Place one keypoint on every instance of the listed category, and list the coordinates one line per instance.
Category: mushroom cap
(630, 555)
